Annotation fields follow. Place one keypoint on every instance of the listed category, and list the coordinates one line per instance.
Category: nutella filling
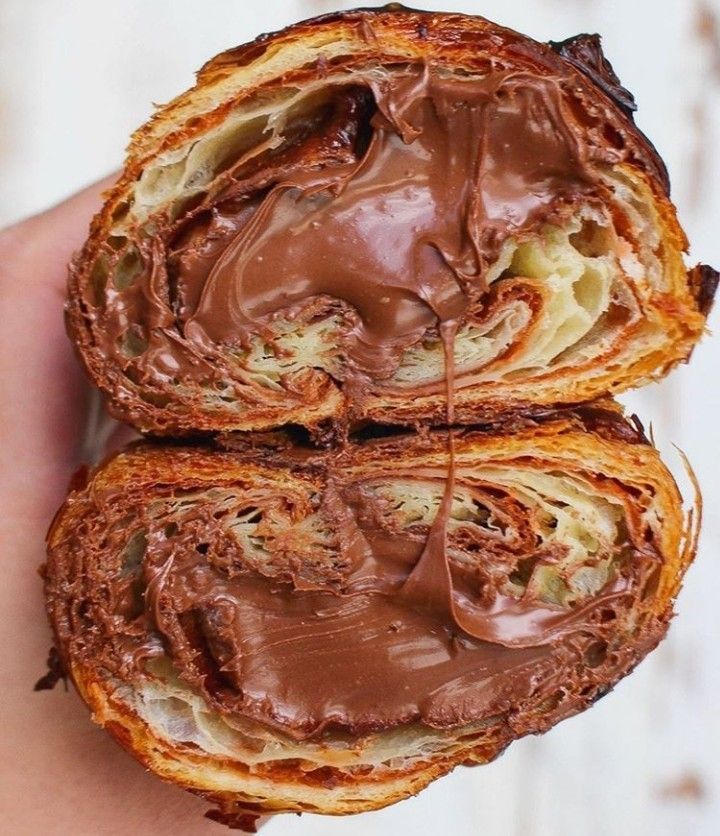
(331, 607)
(379, 211)
(401, 237)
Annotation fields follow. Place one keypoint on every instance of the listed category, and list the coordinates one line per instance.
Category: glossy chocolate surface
(382, 207)
(378, 624)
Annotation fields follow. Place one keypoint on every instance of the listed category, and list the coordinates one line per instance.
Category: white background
(77, 77)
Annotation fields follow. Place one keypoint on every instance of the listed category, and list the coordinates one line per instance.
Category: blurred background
(77, 76)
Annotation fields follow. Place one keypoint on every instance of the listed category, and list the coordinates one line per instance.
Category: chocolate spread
(384, 625)
(383, 207)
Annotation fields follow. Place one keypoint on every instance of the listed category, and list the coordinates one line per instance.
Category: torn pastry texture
(289, 237)
(238, 617)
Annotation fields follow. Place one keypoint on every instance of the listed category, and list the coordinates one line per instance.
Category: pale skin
(60, 773)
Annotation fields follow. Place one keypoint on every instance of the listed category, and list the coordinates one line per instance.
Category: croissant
(280, 628)
(349, 219)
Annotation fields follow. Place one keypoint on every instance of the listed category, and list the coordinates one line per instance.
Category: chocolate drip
(429, 585)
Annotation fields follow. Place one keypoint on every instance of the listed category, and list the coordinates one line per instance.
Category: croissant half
(279, 628)
(340, 216)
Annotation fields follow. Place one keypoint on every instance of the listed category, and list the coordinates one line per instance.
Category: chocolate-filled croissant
(279, 628)
(342, 220)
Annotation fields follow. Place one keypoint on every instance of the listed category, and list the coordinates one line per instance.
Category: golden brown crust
(671, 309)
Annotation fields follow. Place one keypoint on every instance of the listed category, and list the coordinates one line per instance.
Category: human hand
(61, 773)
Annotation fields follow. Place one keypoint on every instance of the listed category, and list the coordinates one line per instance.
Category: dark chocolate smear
(586, 53)
(703, 284)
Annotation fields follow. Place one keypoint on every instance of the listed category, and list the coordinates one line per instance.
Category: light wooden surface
(76, 77)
